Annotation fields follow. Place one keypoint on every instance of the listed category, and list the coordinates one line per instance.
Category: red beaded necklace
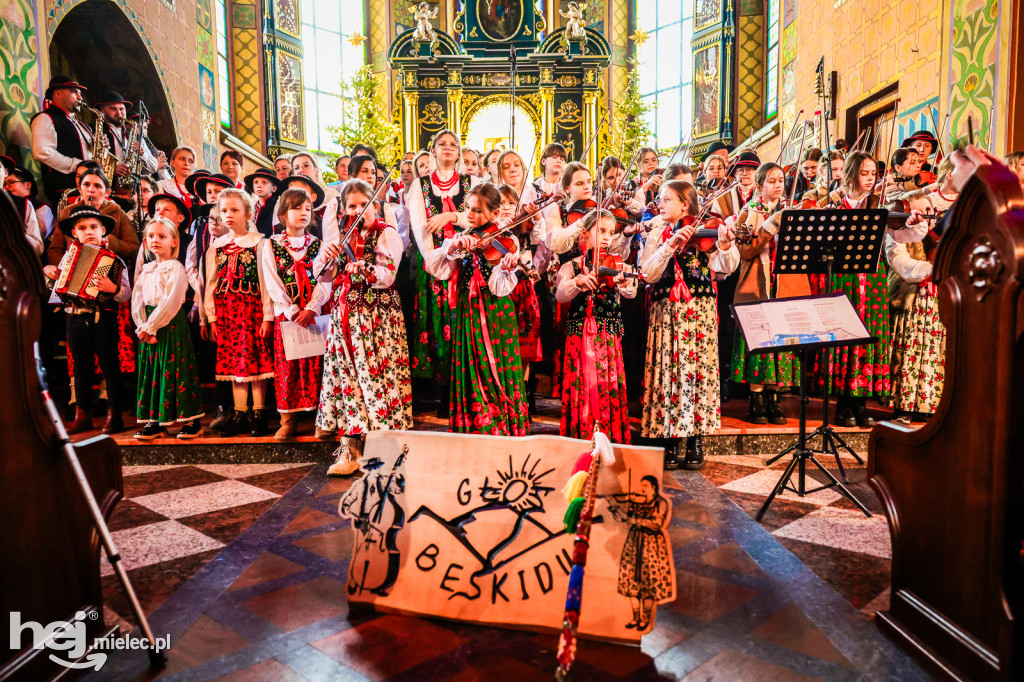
(444, 185)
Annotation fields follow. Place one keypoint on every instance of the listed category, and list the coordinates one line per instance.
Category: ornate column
(410, 120)
(454, 91)
(547, 115)
(590, 121)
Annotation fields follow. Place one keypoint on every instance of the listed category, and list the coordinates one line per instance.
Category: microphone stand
(512, 82)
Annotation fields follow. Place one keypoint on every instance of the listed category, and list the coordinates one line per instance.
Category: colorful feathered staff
(581, 493)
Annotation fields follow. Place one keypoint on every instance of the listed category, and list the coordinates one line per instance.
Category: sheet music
(305, 342)
(796, 321)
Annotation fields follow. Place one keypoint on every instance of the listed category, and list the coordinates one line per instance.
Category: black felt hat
(151, 206)
(923, 136)
(215, 179)
(718, 146)
(8, 163)
(62, 82)
(78, 213)
(266, 175)
(111, 97)
(190, 182)
(748, 160)
(316, 189)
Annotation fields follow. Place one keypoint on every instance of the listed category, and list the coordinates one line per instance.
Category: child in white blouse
(168, 382)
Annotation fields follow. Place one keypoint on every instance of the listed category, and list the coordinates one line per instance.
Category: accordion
(82, 265)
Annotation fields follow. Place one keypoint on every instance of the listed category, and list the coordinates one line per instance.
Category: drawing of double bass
(373, 505)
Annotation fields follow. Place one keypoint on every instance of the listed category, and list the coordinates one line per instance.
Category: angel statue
(424, 32)
(574, 23)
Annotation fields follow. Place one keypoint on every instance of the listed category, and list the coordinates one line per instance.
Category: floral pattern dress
(645, 568)
(168, 381)
(682, 391)
(366, 384)
(593, 328)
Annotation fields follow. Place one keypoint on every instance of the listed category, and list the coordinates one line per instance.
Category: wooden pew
(953, 490)
(49, 550)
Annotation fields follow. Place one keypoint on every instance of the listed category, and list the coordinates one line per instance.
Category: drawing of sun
(520, 490)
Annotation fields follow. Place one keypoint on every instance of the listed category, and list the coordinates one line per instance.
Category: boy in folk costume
(681, 382)
(287, 265)
(263, 186)
(436, 203)
(593, 329)
(487, 392)
(769, 373)
(366, 383)
(240, 312)
(168, 381)
(919, 337)
(92, 326)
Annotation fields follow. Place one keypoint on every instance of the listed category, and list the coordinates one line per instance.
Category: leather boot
(287, 429)
(672, 461)
(844, 412)
(229, 425)
(221, 420)
(115, 422)
(694, 460)
(258, 423)
(775, 414)
(81, 423)
(758, 408)
(860, 413)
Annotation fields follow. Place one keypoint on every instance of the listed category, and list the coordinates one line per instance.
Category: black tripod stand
(809, 242)
(802, 455)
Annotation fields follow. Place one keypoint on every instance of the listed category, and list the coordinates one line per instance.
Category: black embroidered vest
(607, 310)
(68, 144)
(286, 266)
(435, 203)
(696, 274)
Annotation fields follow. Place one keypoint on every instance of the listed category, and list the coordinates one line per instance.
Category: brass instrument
(132, 159)
(64, 203)
(101, 153)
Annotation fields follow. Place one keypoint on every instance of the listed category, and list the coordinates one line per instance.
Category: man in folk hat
(115, 108)
(59, 140)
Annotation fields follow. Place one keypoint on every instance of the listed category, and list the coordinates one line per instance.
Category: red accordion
(81, 267)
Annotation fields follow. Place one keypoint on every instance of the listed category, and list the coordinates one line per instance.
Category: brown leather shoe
(115, 423)
(81, 423)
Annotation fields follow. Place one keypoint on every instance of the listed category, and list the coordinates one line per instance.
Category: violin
(927, 216)
(493, 242)
(579, 209)
(354, 244)
(609, 266)
(703, 239)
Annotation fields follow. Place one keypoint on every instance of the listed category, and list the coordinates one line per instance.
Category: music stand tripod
(824, 242)
(768, 327)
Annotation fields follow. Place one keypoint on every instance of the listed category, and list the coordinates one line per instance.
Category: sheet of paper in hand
(470, 528)
(304, 342)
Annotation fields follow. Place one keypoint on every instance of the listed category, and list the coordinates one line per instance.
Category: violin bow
(803, 146)
(939, 153)
(892, 134)
(359, 218)
(526, 181)
(789, 138)
(586, 149)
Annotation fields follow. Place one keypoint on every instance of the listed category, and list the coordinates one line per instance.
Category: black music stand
(804, 325)
(827, 242)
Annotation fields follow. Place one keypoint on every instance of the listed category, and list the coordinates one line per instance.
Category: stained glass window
(771, 75)
(223, 68)
(330, 58)
(666, 67)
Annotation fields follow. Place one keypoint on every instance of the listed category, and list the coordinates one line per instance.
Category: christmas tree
(365, 118)
(630, 129)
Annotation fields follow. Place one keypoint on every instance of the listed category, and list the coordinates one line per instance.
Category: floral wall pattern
(974, 70)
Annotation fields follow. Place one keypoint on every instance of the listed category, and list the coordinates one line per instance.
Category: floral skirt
(682, 392)
(524, 296)
(432, 323)
(242, 354)
(366, 384)
(644, 569)
(296, 382)
(168, 381)
(558, 354)
(863, 371)
(484, 398)
(612, 408)
(919, 355)
(781, 369)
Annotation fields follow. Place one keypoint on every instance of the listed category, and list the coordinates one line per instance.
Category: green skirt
(168, 382)
(863, 371)
(485, 399)
(432, 323)
(781, 369)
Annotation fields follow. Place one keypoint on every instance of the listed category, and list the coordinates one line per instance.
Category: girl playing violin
(859, 372)
(436, 204)
(593, 335)
(649, 182)
(487, 394)
(366, 385)
(288, 272)
(512, 172)
(681, 381)
(620, 193)
(769, 373)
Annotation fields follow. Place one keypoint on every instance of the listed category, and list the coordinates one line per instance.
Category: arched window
(666, 67)
(330, 58)
(771, 63)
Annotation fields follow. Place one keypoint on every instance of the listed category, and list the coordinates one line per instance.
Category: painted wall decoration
(924, 116)
(707, 13)
(973, 69)
(19, 54)
(788, 12)
(286, 16)
(706, 84)
(289, 87)
(471, 528)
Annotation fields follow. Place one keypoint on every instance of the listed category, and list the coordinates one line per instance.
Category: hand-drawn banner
(470, 528)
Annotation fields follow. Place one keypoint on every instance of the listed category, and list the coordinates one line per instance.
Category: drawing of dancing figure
(645, 566)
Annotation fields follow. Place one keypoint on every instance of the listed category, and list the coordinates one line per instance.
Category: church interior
(209, 486)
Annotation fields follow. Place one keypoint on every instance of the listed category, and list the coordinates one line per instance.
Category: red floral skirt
(242, 354)
(296, 382)
(524, 296)
(612, 408)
